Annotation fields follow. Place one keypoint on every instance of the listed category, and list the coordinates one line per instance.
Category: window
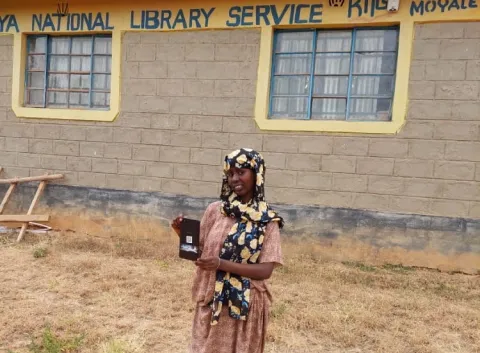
(68, 72)
(346, 75)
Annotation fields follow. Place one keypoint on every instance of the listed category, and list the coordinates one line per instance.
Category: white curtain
(69, 72)
(374, 53)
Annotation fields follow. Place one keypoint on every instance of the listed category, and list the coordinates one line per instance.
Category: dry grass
(127, 292)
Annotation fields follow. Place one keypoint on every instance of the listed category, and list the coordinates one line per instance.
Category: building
(367, 112)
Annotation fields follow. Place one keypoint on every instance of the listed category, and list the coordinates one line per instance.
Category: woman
(240, 243)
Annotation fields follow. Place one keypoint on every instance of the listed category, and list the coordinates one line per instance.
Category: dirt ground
(125, 293)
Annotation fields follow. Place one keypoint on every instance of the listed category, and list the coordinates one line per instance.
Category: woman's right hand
(176, 223)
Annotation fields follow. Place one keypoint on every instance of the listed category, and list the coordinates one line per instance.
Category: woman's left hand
(208, 263)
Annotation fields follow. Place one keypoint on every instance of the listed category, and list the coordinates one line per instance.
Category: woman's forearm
(253, 271)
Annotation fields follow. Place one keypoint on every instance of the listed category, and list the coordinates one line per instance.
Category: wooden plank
(7, 197)
(36, 178)
(40, 189)
(24, 218)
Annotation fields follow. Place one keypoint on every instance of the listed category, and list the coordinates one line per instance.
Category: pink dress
(230, 335)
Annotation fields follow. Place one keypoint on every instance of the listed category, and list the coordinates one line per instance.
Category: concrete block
(165, 121)
(463, 151)
(140, 52)
(40, 146)
(127, 135)
(146, 153)
(73, 132)
(254, 141)
(445, 70)
(155, 137)
(421, 149)
(315, 144)
(147, 184)
(91, 149)
(410, 205)
(207, 123)
(186, 138)
(167, 52)
(215, 140)
(54, 162)
(99, 134)
(426, 49)
(314, 180)
(439, 30)
(375, 166)
(183, 70)
(206, 156)
(417, 130)
(174, 154)
(386, 185)
(152, 69)
(159, 170)
(388, 147)
(303, 162)
(421, 90)
(414, 168)
(449, 208)
(280, 143)
(430, 109)
(200, 52)
(459, 49)
(198, 88)
(66, 148)
(338, 164)
(457, 90)
(281, 178)
(462, 190)
(131, 167)
(119, 182)
(104, 165)
(79, 164)
(118, 150)
(91, 179)
(349, 182)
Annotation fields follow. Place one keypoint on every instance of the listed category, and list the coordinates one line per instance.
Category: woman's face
(242, 182)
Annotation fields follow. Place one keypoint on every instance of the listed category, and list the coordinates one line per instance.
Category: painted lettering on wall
(168, 19)
(72, 22)
(8, 23)
(274, 15)
(359, 8)
(428, 6)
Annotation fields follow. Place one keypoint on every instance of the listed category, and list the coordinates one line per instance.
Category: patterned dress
(230, 335)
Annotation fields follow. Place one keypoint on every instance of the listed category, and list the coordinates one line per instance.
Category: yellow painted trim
(400, 101)
(18, 87)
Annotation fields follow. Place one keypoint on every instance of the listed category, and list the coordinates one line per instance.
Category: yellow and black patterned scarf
(245, 240)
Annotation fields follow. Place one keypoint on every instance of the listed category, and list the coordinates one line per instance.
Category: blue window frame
(68, 71)
(345, 74)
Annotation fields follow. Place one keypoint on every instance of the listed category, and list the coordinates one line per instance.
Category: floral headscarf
(245, 240)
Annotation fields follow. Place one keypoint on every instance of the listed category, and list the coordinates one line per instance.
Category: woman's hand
(176, 223)
(208, 263)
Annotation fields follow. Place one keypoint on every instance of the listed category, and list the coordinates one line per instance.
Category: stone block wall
(188, 98)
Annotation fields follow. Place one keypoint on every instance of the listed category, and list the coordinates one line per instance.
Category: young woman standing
(240, 244)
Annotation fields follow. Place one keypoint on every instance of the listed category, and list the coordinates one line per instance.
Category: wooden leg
(7, 197)
(40, 189)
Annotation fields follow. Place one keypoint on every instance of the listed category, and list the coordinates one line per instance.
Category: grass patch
(399, 268)
(360, 266)
(40, 252)
(128, 293)
(49, 342)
